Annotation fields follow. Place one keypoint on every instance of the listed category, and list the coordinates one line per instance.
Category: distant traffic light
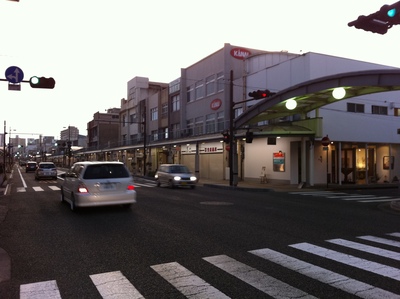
(390, 13)
(42, 82)
(260, 94)
(226, 137)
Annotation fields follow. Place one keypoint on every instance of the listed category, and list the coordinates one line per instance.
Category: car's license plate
(107, 186)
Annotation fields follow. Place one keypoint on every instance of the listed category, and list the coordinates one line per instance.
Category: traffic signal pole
(233, 171)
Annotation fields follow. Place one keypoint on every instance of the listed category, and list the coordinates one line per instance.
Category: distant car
(22, 163)
(175, 175)
(30, 166)
(104, 183)
(46, 170)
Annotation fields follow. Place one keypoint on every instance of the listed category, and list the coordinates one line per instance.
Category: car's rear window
(47, 166)
(104, 171)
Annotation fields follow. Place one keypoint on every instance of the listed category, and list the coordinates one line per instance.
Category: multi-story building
(182, 122)
(70, 133)
(103, 132)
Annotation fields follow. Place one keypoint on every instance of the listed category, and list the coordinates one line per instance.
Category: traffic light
(260, 94)
(370, 24)
(226, 137)
(390, 13)
(249, 137)
(380, 21)
(42, 82)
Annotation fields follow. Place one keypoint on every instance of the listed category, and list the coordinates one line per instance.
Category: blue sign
(14, 74)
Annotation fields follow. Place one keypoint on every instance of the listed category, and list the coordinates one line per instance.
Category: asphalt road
(206, 242)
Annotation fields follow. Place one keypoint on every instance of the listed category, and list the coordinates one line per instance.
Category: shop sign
(279, 161)
(240, 53)
(215, 104)
(207, 148)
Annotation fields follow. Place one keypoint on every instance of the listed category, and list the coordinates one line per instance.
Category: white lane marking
(317, 193)
(366, 248)
(368, 199)
(379, 200)
(22, 179)
(37, 188)
(21, 189)
(261, 281)
(381, 240)
(54, 188)
(144, 185)
(394, 234)
(323, 275)
(350, 260)
(40, 290)
(186, 282)
(351, 196)
(115, 285)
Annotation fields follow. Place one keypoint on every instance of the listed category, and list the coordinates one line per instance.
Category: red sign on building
(240, 53)
(215, 104)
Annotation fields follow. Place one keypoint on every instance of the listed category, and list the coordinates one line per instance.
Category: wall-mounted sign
(215, 104)
(240, 53)
(206, 148)
(279, 161)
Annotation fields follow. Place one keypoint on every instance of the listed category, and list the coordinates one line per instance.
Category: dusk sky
(93, 48)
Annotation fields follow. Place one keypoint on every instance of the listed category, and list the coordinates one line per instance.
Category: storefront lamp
(339, 93)
(291, 104)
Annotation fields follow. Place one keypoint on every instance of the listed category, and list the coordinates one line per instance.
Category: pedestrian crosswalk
(44, 187)
(364, 249)
(363, 198)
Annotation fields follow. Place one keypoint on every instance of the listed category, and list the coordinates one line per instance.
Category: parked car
(46, 170)
(175, 175)
(102, 183)
(30, 166)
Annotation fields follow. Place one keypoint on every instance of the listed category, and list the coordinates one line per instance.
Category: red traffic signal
(42, 82)
(260, 94)
(226, 137)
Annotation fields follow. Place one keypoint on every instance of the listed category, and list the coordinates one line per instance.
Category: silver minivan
(175, 175)
(101, 183)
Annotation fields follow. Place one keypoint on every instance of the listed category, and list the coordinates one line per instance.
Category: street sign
(14, 74)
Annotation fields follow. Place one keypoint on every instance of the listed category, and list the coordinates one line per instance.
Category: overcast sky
(93, 47)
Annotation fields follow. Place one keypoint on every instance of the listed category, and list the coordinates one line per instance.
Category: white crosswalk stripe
(362, 198)
(116, 285)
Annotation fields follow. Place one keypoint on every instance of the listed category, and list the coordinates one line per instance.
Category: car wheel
(193, 186)
(158, 183)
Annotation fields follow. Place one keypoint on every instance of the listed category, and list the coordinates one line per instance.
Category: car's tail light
(83, 189)
(130, 187)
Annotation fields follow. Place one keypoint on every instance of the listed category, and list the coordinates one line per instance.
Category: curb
(238, 188)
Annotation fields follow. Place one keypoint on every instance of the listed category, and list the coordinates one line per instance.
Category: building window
(396, 111)
(199, 90)
(154, 113)
(210, 85)
(198, 126)
(175, 86)
(352, 107)
(164, 110)
(190, 94)
(382, 110)
(220, 81)
(189, 127)
(176, 103)
(165, 133)
(210, 123)
(123, 120)
(154, 135)
(220, 122)
(176, 130)
(132, 118)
